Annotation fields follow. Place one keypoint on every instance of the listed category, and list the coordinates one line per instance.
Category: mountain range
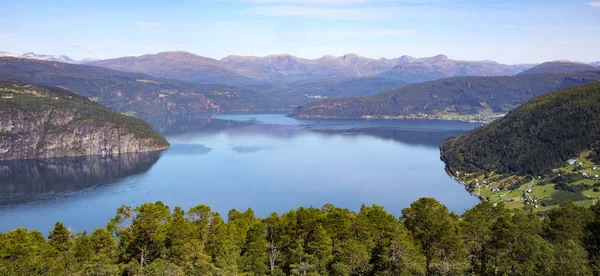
(277, 69)
(182, 82)
(141, 94)
(31, 55)
(284, 68)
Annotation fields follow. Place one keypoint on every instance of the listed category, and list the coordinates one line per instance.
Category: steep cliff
(41, 122)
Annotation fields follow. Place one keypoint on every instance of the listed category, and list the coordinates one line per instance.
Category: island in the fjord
(541, 154)
(42, 121)
(459, 98)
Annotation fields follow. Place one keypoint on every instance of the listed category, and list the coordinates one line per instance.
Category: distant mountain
(178, 65)
(406, 68)
(313, 89)
(595, 64)
(556, 67)
(32, 55)
(40, 122)
(141, 94)
(414, 70)
(287, 68)
(442, 98)
(278, 69)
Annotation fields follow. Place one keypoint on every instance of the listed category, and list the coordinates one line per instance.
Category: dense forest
(534, 138)
(153, 239)
(458, 95)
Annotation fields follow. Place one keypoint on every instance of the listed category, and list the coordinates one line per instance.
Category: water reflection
(187, 123)
(185, 128)
(42, 179)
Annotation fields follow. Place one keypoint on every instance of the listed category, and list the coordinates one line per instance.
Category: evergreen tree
(255, 257)
(319, 250)
(60, 239)
(432, 228)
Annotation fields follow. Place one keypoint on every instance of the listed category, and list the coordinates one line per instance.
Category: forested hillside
(444, 98)
(153, 239)
(534, 138)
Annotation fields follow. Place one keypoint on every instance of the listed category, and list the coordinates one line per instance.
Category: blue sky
(515, 31)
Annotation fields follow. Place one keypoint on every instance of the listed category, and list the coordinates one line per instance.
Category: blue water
(265, 162)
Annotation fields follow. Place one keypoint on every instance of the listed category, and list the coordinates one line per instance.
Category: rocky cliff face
(54, 133)
(43, 122)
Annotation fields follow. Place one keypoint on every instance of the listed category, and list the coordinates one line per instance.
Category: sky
(511, 32)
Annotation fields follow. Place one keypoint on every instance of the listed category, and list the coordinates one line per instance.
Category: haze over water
(269, 163)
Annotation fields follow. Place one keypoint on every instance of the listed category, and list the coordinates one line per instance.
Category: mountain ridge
(140, 93)
(557, 67)
(444, 97)
(286, 68)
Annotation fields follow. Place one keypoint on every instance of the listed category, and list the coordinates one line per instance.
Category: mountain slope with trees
(141, 94)
(534, 138)
(541, 154)
(441, 98)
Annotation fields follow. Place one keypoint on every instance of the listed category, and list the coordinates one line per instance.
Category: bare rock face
(57, 133)
(42, 121)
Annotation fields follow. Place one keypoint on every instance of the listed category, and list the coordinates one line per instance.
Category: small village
(578, 181)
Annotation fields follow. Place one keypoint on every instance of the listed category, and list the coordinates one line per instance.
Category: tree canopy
(153, 239)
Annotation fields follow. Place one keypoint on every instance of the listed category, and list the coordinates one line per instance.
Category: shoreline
(400, 117)
(91, 155)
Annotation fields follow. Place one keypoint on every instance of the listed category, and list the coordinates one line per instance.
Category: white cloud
(179, 41)
(344, 2)
(369, 32)
(325, 13)
(311, 1)
(148, 25)
(594, 4)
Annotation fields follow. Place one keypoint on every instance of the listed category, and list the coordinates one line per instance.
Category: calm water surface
(265, 162)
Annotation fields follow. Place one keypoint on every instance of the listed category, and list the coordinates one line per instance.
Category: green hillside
(447, 98)
(536, 139)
